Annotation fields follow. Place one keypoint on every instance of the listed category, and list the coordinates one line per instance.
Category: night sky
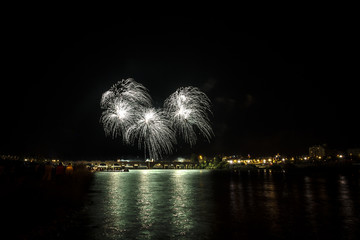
(278, 84)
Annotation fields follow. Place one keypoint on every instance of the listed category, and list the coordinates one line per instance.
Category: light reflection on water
(203, 204)
(149, 204)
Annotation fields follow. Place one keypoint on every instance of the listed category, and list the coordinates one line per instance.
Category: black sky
(277, 83)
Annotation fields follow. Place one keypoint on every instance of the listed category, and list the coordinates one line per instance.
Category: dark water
(204, 204)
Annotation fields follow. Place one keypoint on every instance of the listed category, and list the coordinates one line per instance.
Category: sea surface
(206, 204)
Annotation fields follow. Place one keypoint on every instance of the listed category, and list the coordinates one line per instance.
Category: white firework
(107, 99)
(127, 90)
(152, 131)
(117, 118)
(121, 103)
(128, 112)
(188, 109)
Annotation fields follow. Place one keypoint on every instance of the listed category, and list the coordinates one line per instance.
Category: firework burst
(128, 90)
(128, 112)
(121, 104)
(188, 110)
(152, 131)
(117, 118)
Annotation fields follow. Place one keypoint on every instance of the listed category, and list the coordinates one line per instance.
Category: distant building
(316, 151)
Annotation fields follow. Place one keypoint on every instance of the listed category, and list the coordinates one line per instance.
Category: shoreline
(336, 168)
(51, 209)
(38, 208)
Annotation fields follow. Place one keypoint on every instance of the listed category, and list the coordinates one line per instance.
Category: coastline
(52, 209)
(37, 208)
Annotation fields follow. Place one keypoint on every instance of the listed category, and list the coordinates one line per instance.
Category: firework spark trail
(188, 110)
(128, 113)
(153, 132)
(106, 99)
(117, 118)
(121, 104)
(127, 90)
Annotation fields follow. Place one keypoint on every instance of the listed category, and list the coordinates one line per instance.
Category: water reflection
(349, 220)
(145, 203)
(181, 201)
(309, 203)
(192, 204)
(347, 204)
(271, 207)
